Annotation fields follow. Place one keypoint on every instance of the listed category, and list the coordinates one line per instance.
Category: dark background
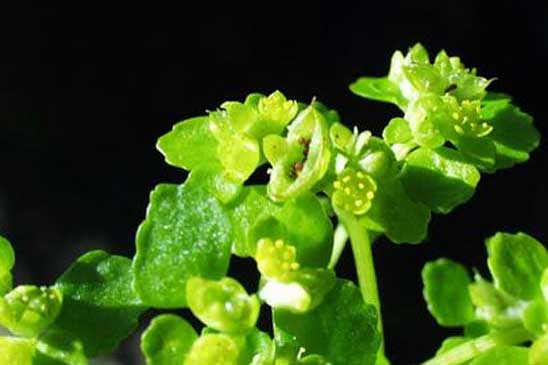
(85, 92)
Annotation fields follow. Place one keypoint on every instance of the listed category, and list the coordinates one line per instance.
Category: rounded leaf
(446, 292)
(517, 263)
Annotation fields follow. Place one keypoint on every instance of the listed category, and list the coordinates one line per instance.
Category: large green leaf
(343, 328)
(187, 232)
(517, 262)
(446, 292)
(441, 179)
(100, 308)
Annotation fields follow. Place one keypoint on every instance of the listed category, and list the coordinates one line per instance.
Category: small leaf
(503, 355)
(446, 292)
(378, 88)
(344, 328)
(100, 308)
(517, 262)
(440, 179)
(167, 340)
(187, 232)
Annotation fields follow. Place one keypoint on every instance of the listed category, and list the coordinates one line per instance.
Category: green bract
(28, 310)
(222, 305)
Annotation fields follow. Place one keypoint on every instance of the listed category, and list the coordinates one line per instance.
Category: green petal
(277, 112)
(167, 340)
(379, 89)
(306, 159)
(223, 305)
(446, 292)
(442, 179)
(517, 262)
(100, 307)
(28, 310)
(344, 328)
(187, 232)
(16, 351)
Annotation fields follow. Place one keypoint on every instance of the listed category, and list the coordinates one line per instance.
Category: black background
(86, 91)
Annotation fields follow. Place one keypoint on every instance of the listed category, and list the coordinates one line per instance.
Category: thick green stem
(478, 346)
(365, 267)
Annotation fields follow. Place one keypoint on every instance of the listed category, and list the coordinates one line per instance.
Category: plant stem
(339, 242)
(478, 346)
(365, 267)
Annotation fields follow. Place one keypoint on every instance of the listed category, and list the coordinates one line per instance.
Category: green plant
(327, 184)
